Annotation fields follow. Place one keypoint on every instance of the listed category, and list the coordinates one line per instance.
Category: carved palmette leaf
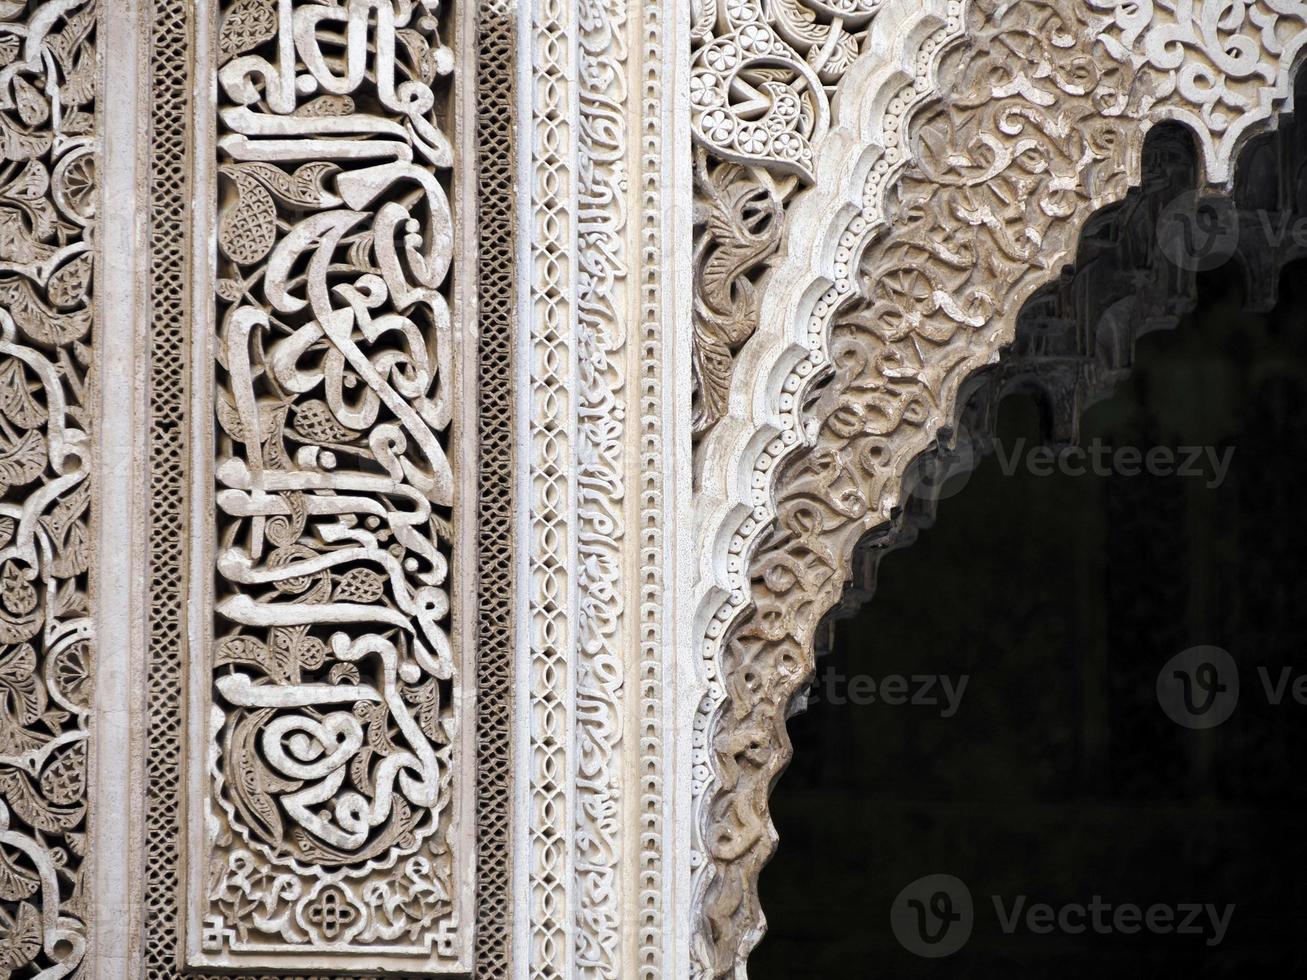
(21, 462)
(69, 601)
(360, 585)
(430, 62)
(73, 557)
(68, 532)
(250, 782)
(79, 87)
(32, 107)
(68, 284)
(78, 123)
(20, 937)
(247, 228)
(64, 779)
(30, 806)
(23, 694)
(316, 423)
(9, 43)
(40, 323)
(228, 418)
(360, 769)
(302, 189)
(17, 627)
(375, 718)
(17, 243)
(261, 810)
(18, 145)
(29, 189)
(65, 44)
(270, 415)
(343, 673)
(426, 698)
(242, 651)
(246, 25)
(16, 401)
(16, 740)
(15, 882)
(294, 651)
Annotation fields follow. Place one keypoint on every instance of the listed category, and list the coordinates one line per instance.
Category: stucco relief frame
(444, 646)
(820, 434)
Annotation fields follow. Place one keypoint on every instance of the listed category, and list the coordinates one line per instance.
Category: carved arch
(937, 211)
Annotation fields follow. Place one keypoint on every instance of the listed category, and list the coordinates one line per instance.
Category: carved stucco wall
(49, 77)
(1038, 122)
(335, 182)
(715, 275)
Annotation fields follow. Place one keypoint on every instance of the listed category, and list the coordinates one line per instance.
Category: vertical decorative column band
(549, 370)
(49, 71)
(332, 564)
(602, 326)
(496, 905)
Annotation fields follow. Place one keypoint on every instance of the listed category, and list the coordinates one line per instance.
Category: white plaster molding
(117, 786)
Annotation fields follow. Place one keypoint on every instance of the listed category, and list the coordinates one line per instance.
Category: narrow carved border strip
(496, 265)
(653, 503)
(549, 384)
(599, 462)
(50, 332)
(170, 182)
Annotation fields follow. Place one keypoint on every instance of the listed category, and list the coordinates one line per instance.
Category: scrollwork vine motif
(332, 730)
(760, 86)
(1027, 139)
(1038, 126)
(48, 79)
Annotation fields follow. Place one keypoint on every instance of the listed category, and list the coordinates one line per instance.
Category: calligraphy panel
(330, 710)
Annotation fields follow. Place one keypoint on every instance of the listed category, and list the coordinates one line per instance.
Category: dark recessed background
(1060, 777)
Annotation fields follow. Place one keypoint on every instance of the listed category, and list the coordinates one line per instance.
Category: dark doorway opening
(994, 713)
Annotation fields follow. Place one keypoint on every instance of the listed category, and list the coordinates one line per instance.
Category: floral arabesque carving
(739, 222)
(1221, 67)
(760, 86)
(1039, 126)
(48, 194)
(332, 733)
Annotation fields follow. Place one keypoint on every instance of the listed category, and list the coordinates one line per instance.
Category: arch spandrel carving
(1036, 124)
